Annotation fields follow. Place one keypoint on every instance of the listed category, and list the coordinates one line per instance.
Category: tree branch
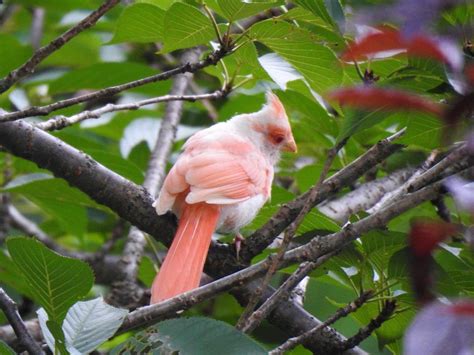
(363, 197)
(192, 67)
(282, 293)
(60, 122)
(261, 238)
(11, 312)
(53, 46)
(288, 236)
(134, 204)
(364, 333)
(340, 313)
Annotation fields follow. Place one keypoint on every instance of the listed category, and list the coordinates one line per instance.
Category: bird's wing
(223, 171)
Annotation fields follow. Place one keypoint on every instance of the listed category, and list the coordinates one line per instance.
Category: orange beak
(290, 146)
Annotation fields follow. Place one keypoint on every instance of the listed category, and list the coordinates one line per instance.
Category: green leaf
(11, 276)
(86, 326)
(316, 62)
(195, 336)
(5, 349)
(356, 121)
(423, 130)
(140, 23)
(146, 271)
(237, 9)
(379, 246)
(58, 199)
(58, 334)
(100, 75)
(315, 220)
(318, 8)
(186, 27)
(12, 54)
(56, 282)
(334, 8)
(81, 51)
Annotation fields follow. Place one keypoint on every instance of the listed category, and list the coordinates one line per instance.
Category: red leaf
(419, 45)
(425, 235)
(385, 40)
(470, 73)
(463, 307)
(389, 99)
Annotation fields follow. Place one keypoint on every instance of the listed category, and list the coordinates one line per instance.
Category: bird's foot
(238, 239)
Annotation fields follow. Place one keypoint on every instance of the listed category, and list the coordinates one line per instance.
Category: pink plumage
(220, 181)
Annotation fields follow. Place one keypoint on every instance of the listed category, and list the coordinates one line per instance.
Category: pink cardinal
(220, 181)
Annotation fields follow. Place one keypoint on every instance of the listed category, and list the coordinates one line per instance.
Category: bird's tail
(181, 271)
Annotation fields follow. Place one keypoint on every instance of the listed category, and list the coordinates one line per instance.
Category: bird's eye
(277, 139)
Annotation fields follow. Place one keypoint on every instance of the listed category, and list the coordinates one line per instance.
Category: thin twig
(340, 313)
(282, 293)
(364, 333)
(289, 234)
(42, 53)
(60, 122)
(190, 67)
(10, 310)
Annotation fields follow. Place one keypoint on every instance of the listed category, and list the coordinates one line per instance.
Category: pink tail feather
(184, 263)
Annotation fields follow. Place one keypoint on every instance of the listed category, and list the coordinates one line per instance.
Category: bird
(220, 181)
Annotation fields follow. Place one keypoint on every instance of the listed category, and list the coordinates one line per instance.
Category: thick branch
(11, 312)
(364, 197)
(54, 45)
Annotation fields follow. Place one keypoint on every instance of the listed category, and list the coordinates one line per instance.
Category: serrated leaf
(423, 130)
(237, 9)
(380, 245)
(140, 23)
(186, 27)
(315, 220)
(316, 62)
(56, 282)
(196, 336)
(279, 69)
(86, 326)
(10, 275)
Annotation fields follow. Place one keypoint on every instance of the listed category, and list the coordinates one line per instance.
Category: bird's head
(272, 122)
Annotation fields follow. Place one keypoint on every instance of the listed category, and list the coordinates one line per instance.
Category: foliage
(305, 55)
(196, 335)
